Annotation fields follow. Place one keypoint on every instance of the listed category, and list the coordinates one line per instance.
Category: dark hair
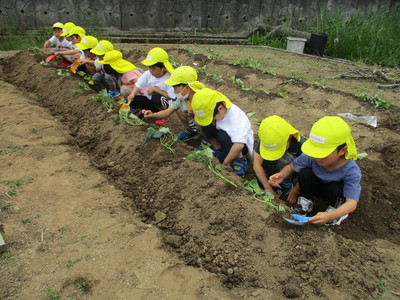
(75, 35)
(340, 147)
(159, 64)
(109, 70)
(185, 84)
(216, 107)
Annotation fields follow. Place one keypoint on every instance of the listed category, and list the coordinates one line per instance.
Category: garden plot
(217, 227)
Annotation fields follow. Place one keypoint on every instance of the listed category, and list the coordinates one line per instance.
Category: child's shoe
(337, 221)
(187, 135)
(240, 166)
(113, 94)
(220, 154)
(304, 206)
(162, 122)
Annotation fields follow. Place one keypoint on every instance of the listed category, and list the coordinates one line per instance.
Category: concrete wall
(225, 16)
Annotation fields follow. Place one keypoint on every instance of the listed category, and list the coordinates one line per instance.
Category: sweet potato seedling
(260, 195)
(166, 137)
(128, 118)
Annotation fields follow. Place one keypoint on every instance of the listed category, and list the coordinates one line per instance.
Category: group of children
(297, 170)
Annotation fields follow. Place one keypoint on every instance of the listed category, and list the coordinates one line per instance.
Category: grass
(370, 37)
(15, 39)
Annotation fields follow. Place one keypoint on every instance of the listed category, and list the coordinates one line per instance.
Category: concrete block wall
(192, 16)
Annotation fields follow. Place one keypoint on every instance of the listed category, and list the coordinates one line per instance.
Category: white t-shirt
(99, 66)
(237, 125)
(64, 43)
(147, 80)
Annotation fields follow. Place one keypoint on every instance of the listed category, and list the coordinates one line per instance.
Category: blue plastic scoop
(298, 219)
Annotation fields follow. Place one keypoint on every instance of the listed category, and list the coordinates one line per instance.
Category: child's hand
(320, 218)
(275, 179)
(293, 194)
(147, 113)
(130, 98)
(150, 90)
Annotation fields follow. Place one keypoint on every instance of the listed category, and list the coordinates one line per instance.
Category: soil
(91, 211)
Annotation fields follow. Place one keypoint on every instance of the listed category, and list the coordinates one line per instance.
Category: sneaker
(113, 94)
(304, 206)
(187, 135)
(240, 166)
(337, 221)
(162, 122)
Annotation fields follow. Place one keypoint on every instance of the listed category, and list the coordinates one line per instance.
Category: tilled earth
(215, 226)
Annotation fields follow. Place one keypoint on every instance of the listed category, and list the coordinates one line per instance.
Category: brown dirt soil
(124, 214)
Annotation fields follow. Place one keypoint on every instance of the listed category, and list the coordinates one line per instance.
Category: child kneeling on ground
(327, 170)
(279, 145)
(227, 128)
(185, 84)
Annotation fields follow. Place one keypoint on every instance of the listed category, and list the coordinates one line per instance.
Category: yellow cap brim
(122, 66)
(271, 154)
(315, 150)
(97, 51)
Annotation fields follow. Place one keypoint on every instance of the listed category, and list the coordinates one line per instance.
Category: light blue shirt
(349, 174)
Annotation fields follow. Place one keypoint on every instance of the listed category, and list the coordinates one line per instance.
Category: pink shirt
(127, 78)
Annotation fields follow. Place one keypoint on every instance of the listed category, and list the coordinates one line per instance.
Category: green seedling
(7, 258)
(71, 263)
(251, 115)
(362, 155)
(164, 134)
(283, 94)
(35, 50)
(128, 118)
(382, 286)
(63, 73)
(206, 156)
(212, 54)
(248, 62)
(43, 63)
(52, 294)
(173, 62)
(202, 69)
(106, 101)
(188, 50)
(62, 229)
(25, 220)
(320, 84)
(216, 76)
(33, 130)
(84, 85)
(268, 72)
(260, 195)
(374, 100)
(76, 91)
(10, 149)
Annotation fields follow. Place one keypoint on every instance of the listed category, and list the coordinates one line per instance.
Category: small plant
(76, 91)
(84, 85)
(237, 82)
(202, 69)
(33, 130)
(206, 156)
(7, 258)
(251, 115)
(374, 100)
(10, 149)
(52, 294)
(63, 73)
(25, 220)
(283, 94)
(268, 72)
(382, 286)
(128, 118)
(320, 84)
(248, 62)
(260, 195)
(216, 76)
(166, 137)
(105, 101)
(35, 50)
(213, 54)
(71, 263)
(62, 229)
(173, 62)
(43, 63)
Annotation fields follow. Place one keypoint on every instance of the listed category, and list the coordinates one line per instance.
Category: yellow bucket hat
(58, 25)
(326, 134)
(102, 47)
(203, 105)
(67, 27)
(115, 60)
(274, 133)
(158, 55)
(76, 30)
(88, 42)
(186, 75)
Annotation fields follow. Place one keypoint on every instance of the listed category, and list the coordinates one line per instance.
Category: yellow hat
(76, 30)
(158, 55)
(67, 27)
(58, 25)
(274, 132)
(102, 47)
(115, 60)
(88, 42)
(186, 75)
(203, 104)
(326, 134)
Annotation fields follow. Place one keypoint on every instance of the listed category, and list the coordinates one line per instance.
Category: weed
(84, 85)
(260, 195)
(166, 137)
(374, 100)
(10, 149)
(382, 286)
(213, 54)
(52, 294)
(6, 205)
(12, 193)
(62, 229)
(43, 63)
(206, 156)
(63, 73)
(71, 263)
(33, 130)
(25, 220)
(76, 91)
(7, 258)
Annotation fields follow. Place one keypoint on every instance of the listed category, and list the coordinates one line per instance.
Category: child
(185, 84)
(57, 40)
(87, 58)
(327, 170)
(158, 93)
(75, 35)
(123, 73)
(226, 126)
(279, 145)
(101, 77)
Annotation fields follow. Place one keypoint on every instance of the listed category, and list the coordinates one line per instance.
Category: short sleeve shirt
(64, 43)
(349, 174)
(147, 80)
